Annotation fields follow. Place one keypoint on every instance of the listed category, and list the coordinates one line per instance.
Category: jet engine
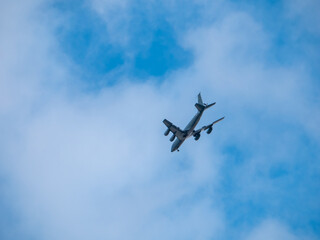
(197, 136)
(209, 130)
(167, 132)
(172, 138)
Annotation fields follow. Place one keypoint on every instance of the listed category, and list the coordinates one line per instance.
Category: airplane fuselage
(188, 131)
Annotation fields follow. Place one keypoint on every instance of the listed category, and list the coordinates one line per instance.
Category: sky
(85, 85)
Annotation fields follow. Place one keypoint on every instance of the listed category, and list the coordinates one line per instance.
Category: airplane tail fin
(202, 106)
(200, 99)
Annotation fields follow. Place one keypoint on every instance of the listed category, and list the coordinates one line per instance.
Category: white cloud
(306, 14)
(116, 15)
(272, 229)
(29, 57)
(96, 165)
(90, 165)
(95, 168)
(232, 61)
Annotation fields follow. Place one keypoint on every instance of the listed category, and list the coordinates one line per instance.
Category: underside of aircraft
(189, 130)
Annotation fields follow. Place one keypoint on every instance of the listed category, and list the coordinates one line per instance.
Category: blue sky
(85, 85)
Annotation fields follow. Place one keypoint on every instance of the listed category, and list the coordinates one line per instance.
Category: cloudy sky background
(85, 85)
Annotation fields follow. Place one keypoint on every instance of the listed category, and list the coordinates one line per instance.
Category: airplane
(189, 131)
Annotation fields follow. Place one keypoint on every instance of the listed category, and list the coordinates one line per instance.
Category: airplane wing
(174, 129)
(206, 127)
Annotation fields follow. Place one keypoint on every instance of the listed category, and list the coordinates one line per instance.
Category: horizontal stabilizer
(209, 105)
(200, 107)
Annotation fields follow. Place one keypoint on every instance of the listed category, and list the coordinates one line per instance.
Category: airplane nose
(175, 145)
(173, 148)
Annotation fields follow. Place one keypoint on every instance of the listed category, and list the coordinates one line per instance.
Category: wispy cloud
(95, 164)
